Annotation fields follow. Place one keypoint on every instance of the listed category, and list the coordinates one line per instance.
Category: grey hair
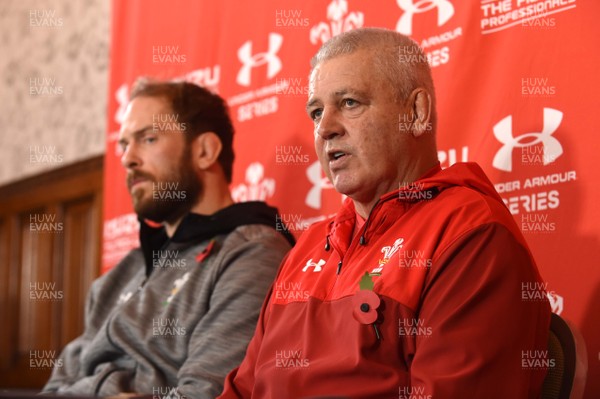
(398, 58)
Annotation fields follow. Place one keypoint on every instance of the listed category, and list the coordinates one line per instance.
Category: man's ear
(420, 109)
(206, 149)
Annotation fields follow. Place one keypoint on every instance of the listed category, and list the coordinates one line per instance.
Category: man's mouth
(335, 155)
(134, 180)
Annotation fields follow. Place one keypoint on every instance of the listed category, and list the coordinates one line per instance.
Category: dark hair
(200, 110)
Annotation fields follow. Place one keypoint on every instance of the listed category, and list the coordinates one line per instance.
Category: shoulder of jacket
(253, 233)
(128, 266)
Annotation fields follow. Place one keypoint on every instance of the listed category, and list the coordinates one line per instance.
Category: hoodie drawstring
(363, 239)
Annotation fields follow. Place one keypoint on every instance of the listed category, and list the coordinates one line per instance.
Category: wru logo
(257, 187)
(389, 251)
(339, 22)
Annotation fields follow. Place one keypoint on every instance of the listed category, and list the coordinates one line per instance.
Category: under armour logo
(503, 132)
(317, 266)
(556, 302)
(339, 22)
(445, 11)
(315, 176)
(257, 188)
(250, 61)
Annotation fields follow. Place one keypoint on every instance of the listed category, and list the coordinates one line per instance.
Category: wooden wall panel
(5, 300)
(81, 250)
(50, 235)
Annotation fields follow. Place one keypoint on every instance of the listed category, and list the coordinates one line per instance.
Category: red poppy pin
(202, 255)
(365, 303)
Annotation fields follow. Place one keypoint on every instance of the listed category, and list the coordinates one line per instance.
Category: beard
(173, 194)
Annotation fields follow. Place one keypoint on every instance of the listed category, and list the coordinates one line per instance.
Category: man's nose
(329, 125)
(130, 158)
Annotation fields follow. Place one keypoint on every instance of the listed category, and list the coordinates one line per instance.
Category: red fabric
(360, 221)
(502, 77)
(452, 319)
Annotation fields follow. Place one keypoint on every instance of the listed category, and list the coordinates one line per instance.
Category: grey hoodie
(175, 316)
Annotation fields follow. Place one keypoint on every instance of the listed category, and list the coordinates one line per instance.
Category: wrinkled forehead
(356, 70)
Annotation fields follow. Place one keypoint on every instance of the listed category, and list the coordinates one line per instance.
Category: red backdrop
(517, 87)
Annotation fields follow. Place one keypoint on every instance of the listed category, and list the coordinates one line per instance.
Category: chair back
(566, 378)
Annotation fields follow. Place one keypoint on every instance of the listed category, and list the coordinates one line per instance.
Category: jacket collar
(340, 230)
(195, 228)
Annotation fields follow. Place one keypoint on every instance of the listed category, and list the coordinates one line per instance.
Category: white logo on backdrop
(319, 182)
(122, 97)
(338, 22)
(445, 11)
(257, 187)
(504, 134)
(250, 61)
(556, 302)
(208, 77)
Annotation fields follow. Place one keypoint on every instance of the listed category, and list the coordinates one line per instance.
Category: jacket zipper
(361, 241)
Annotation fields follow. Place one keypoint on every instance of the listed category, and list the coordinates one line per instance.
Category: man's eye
(316, 114)
(348, 102)
(149, 139)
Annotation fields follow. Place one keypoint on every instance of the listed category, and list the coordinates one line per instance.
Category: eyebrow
(337, 94)
(136, 134)
(310, 104)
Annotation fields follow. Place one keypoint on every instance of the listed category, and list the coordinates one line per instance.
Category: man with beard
(175, 315)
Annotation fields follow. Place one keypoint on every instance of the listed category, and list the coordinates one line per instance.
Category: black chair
(566, 379)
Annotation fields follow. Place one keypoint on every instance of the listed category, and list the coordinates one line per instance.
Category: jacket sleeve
(483, 320)
(219, 341)
(240, 381)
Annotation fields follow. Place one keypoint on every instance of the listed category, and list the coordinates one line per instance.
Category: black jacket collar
(195, 228)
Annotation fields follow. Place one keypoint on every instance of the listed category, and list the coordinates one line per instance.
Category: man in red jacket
(420, 286)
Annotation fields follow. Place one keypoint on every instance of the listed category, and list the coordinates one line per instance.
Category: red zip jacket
(432, 299)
